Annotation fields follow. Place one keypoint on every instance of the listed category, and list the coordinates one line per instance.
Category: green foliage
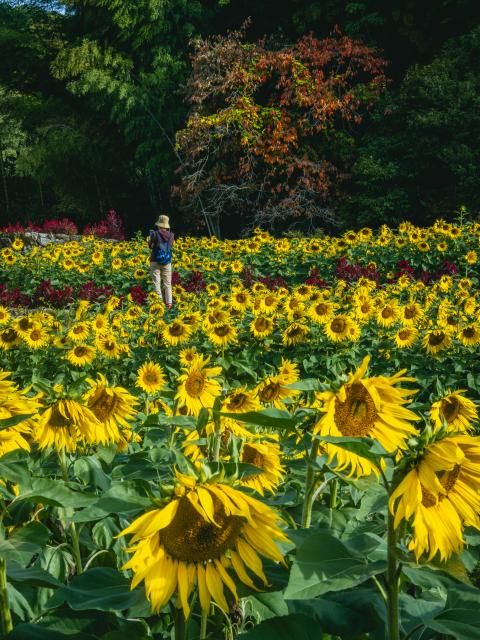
(421, 152)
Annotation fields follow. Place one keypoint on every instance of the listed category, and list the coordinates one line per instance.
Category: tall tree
(130, 59)
(270, 128)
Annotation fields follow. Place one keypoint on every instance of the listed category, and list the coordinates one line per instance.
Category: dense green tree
(420, 157)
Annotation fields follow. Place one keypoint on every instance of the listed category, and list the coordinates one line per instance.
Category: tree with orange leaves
(270, 128)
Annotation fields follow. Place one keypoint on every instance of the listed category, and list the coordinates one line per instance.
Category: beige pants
(162, 279)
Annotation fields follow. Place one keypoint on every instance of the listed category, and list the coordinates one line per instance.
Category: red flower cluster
(194, 282)
(109, 227)
(46, 295)
(314, 279)
(138, 295)
(425, 276)
(273, 283)
(90, 291)
(353, 272)
(65, 225)
(13, 298)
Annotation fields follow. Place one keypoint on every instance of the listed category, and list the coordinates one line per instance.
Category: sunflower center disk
(450, 408)
(252, 456)
(194, 384)
(338, 325)
(356, 416)
(103, 406)
(269, 392)
(436, 339)
(192, 539)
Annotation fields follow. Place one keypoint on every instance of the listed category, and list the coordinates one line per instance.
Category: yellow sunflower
(469, 336)
(273, 391)
(150, 377)
(36, 338)
(365, 407)
(176, 333)
(9, 338)
(66, 424)
(81, 355)
(321, 312)
(388, 314)
(338, 328)
(198, 387)
(107, 345)
(79, 332)
(196, 538)
(441, 496)
(4, 315)
(436, 340)
(111, 406)
(406, 337)
(454, 409)
(222, 334)
(295, 333)
(265, 456)
(240, 401)
(262, 326)
(186, 356)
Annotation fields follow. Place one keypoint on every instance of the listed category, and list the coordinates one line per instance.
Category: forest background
(97, 99)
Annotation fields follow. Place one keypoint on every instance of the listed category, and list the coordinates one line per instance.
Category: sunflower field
(288, 452)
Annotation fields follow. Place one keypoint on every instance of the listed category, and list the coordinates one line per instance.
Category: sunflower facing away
(198, 387)
(193, 541)
(441, 496)
(366, 407)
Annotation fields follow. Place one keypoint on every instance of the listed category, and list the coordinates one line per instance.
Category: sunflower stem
(217, 439)
(392, 581)
(203, 625)
(73, 530)
(6, 616)
(310, 482)
(180, 625)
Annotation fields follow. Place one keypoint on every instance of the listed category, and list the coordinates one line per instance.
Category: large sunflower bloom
(456, 410)
(111, 406)
(366, 407)
(198, 388)
(194, 540)
(442, 495)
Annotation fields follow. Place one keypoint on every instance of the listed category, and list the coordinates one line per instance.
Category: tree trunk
(4, 182)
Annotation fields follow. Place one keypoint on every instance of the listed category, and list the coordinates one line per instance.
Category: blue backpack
(162, 250)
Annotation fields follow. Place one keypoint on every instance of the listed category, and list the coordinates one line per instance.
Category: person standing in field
(160, 242)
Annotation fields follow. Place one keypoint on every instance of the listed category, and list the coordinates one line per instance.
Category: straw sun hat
(163, 222)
